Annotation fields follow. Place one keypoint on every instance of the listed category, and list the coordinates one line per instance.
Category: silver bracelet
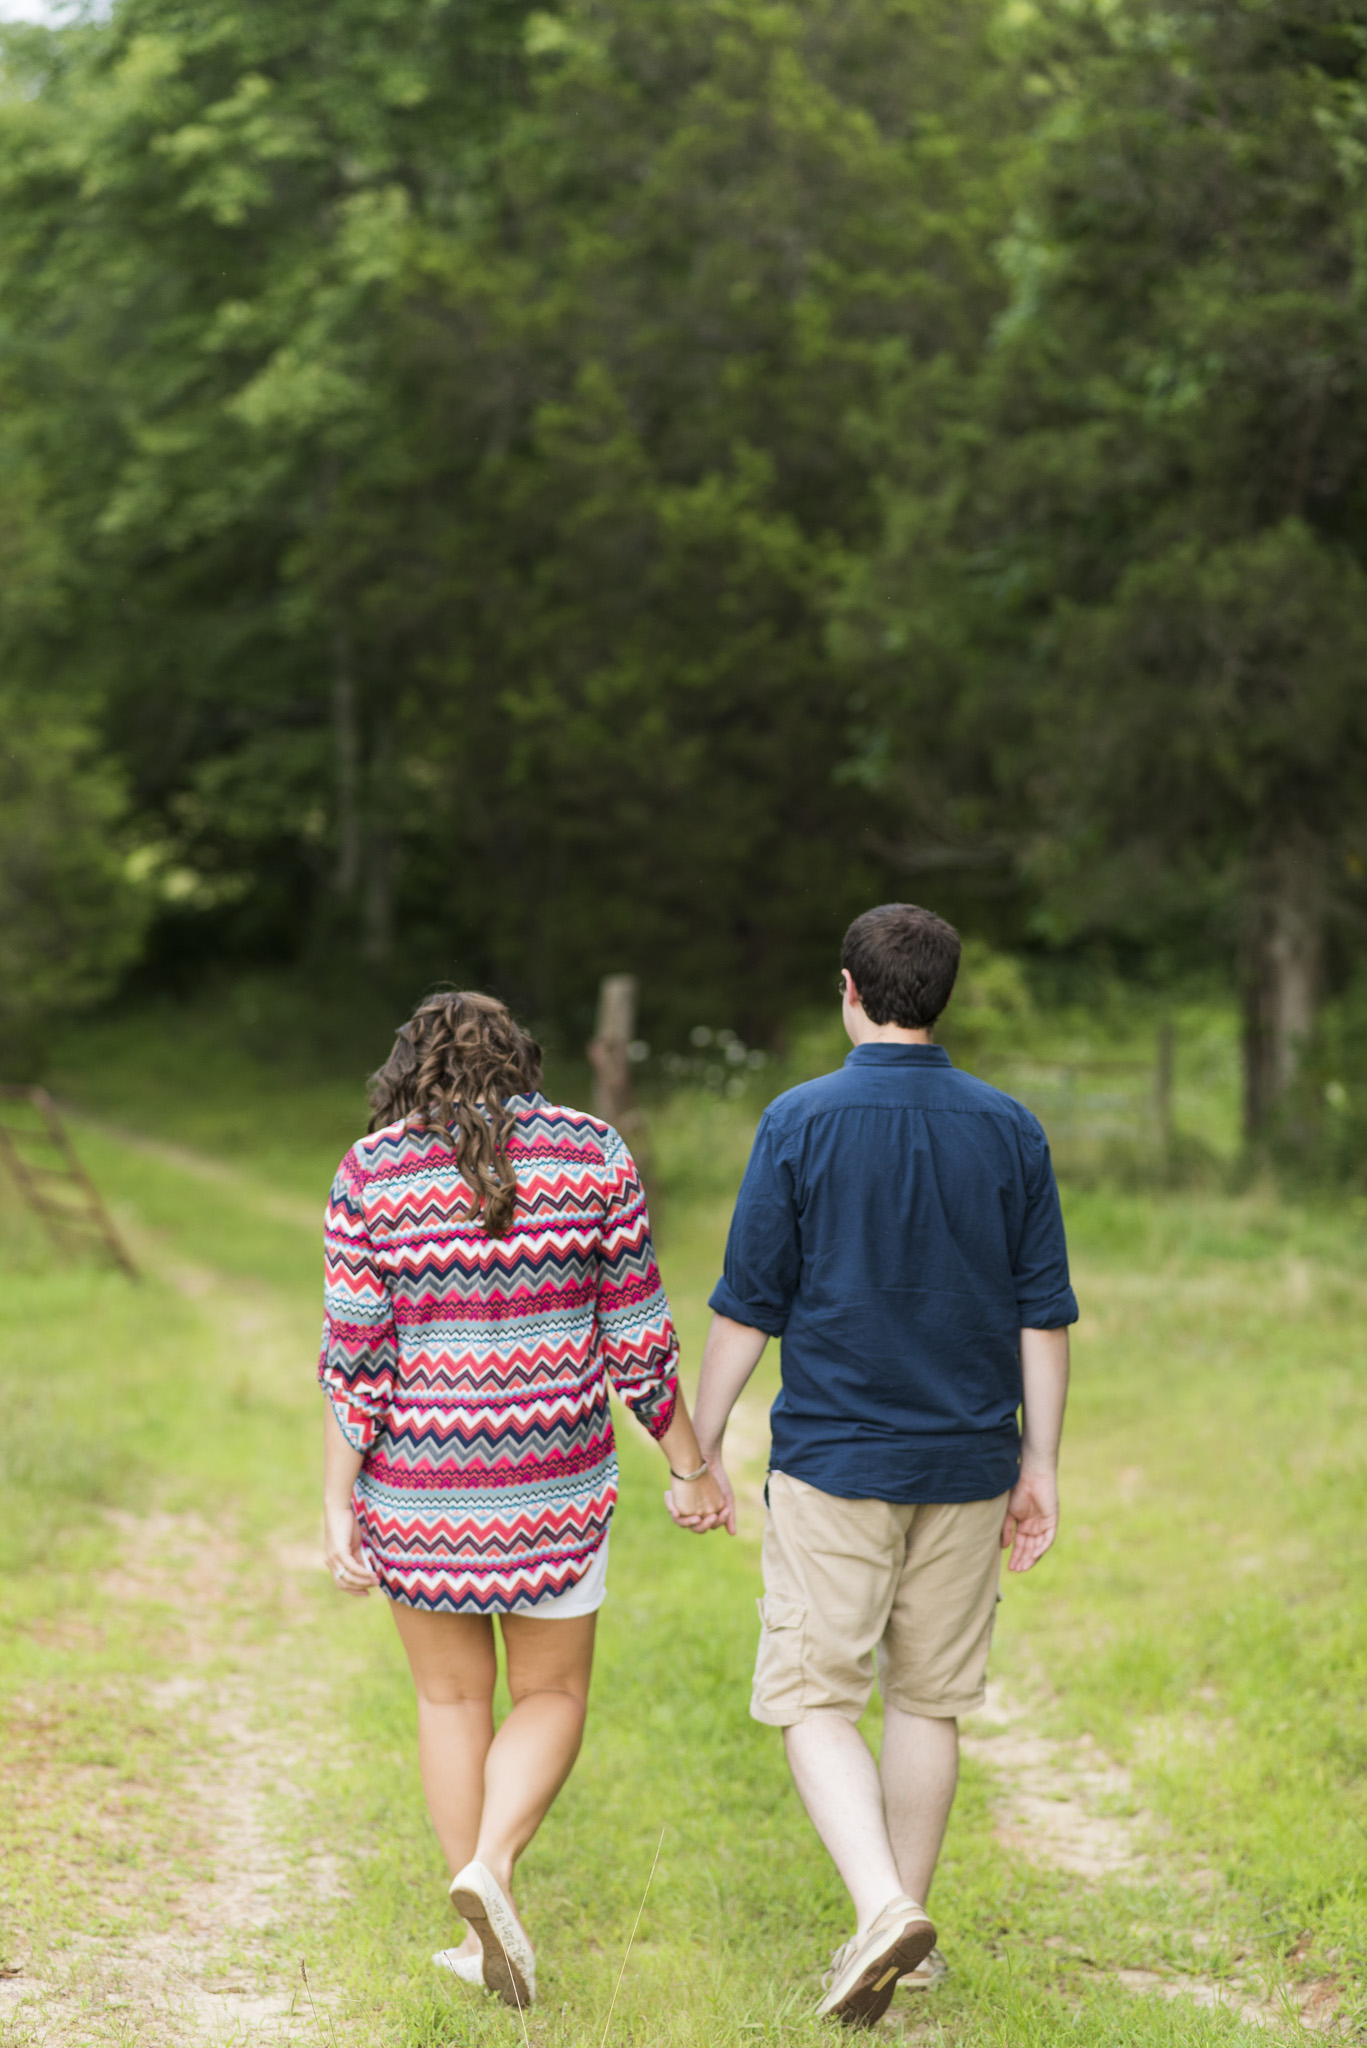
(687, 1476)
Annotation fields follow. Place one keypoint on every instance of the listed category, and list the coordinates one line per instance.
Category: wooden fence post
(613, 1095)
(609, 1051)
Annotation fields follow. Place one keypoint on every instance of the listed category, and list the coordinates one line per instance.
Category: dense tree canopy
(525, 493)
(453, 426)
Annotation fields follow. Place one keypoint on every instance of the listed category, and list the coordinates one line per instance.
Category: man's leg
(932, 1664)
(919, 1772)
(831, 1567)
(838, 1783)
(831, 1570)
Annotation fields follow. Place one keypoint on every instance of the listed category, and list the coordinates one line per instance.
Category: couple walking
(490, 1269)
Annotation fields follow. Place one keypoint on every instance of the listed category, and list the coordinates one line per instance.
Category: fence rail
(1096, 1101)
(45, 1168)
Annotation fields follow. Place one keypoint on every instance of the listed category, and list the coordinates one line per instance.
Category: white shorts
(585, 1596)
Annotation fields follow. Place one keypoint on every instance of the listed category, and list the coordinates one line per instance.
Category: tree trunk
(377, 906)
(346, 740)
(1283, 974)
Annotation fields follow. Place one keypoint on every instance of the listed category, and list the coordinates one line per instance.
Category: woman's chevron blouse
(471, 1369)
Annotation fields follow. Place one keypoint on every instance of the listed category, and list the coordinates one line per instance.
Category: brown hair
(903, 961)
(456, 1061)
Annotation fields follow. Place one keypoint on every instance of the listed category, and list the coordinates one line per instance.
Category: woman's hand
(698, 1504)
(342, 1549)
(703, 1504)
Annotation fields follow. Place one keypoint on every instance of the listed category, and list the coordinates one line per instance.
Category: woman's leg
(549, 1667)
(454, 1667)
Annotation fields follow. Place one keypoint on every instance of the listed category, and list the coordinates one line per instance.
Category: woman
(489, 1268)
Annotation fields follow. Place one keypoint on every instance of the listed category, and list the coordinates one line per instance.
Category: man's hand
(730, 1355)
(703, 1504)
(1031, 1519)
(1032, 1512)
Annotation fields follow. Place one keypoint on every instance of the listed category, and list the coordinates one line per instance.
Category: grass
(1203, 1621)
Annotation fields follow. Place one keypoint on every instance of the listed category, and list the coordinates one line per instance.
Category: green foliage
(446, 430)
(70, 918)
(1218, 695)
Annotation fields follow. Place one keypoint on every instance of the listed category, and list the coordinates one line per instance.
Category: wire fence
(1094, 1106)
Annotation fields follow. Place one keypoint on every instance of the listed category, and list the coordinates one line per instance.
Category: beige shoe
(863, 1974)
(509, 1964)
(470, 1969)
(930, 1971)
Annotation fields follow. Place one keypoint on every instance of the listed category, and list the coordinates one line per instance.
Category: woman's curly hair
(454, 1065)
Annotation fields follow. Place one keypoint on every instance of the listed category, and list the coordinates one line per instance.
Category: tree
(1149, 552)
(1219, 740)
(201, 214)
(724, 234)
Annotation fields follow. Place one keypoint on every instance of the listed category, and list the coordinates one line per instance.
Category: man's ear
(852, 995)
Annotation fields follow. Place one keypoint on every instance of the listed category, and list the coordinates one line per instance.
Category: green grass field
(208, 1762)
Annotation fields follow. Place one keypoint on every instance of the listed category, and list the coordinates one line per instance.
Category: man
(898, 1226)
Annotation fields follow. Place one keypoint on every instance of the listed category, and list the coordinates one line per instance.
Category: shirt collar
(888, 1052)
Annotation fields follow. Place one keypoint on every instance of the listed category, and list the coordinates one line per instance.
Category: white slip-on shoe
(470, 1969)
(863, 1974)
(509, 1964)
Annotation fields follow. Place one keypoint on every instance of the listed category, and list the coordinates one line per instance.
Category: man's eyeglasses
(840, 988)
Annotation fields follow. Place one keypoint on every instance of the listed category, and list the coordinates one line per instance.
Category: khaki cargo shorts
(845, 1577)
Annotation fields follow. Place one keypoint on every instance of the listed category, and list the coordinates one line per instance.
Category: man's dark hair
(903, 961)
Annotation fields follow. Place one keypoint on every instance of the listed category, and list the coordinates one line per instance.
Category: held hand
(703, 1504)
(342, 1550)
(1031, 1519)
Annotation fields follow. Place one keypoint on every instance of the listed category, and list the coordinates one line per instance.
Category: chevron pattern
(473, 1371)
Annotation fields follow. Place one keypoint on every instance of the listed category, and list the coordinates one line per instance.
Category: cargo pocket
(779, 1668)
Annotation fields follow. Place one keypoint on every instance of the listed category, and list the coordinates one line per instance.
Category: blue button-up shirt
(898, 1226)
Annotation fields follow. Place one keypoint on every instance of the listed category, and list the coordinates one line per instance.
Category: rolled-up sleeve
(636, 1339)
(1044, 1295)
(763, 1247)
(359, 1361)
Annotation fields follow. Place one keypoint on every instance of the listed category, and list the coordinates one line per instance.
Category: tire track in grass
(202, 1946)
(273, 1203)
(1065, 1805)
(219, 1961)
